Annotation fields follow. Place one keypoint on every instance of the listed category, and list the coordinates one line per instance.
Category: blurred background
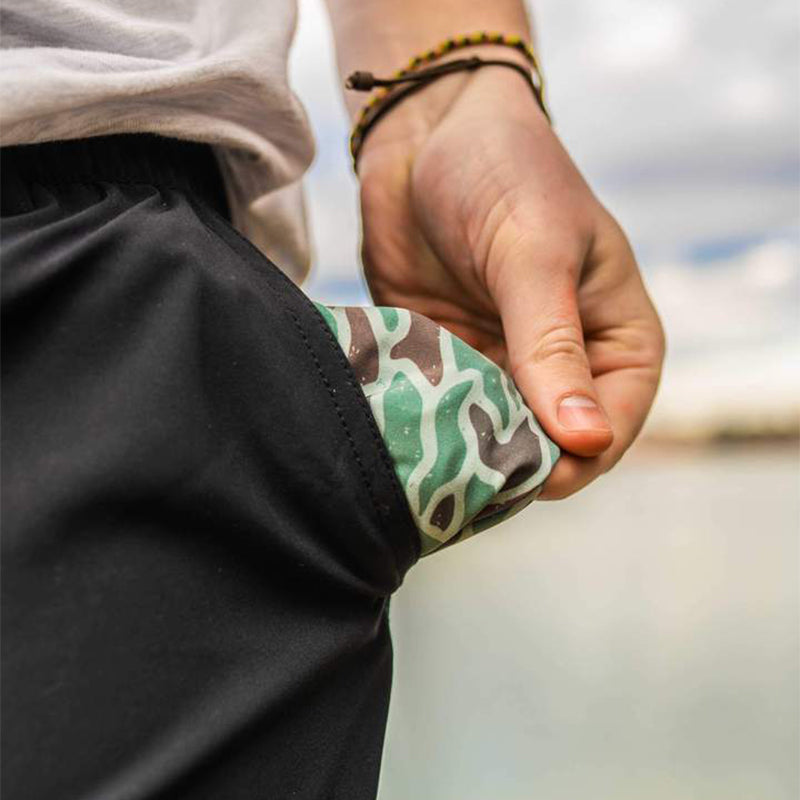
(639, 640)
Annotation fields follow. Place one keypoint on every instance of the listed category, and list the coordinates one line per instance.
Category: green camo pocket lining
(467, 450)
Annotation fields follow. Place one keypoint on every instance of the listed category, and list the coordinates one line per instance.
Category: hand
(474, 215)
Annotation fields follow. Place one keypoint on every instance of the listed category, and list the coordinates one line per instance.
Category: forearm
(383, 35)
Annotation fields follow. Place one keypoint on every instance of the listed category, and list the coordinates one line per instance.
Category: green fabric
(467, 358)
(467, 450)
(451, 449)
(402, 412)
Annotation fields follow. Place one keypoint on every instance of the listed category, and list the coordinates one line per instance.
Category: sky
(685, 119)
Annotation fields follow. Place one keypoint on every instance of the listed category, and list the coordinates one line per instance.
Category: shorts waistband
(125, 158)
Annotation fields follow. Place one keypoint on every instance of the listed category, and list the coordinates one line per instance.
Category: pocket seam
(221, 229)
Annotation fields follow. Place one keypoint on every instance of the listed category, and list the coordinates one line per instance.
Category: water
(639, 641)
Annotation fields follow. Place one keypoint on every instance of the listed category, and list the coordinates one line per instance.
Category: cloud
(682, 114)
(638, 36)
(748, 299)
(732, 325)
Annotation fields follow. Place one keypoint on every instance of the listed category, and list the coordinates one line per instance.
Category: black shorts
(201, 524)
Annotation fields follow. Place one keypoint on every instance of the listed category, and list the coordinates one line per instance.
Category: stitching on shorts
(360, 399)
(277, 273)
(373, 428)
(332, 393)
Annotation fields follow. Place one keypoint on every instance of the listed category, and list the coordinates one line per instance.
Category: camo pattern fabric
(467, 450)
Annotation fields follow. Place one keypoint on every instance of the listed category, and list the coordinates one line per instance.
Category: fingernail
(580, 413)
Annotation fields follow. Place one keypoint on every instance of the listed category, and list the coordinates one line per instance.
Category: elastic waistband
(126, 158)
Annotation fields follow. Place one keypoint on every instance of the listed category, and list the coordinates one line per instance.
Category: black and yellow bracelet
(411, 78)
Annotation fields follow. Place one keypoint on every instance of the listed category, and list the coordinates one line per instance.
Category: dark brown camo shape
(421, 345)
(519, 458)
(363, 353)
(443, 513)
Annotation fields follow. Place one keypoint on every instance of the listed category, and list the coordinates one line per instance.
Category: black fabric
(201, 526)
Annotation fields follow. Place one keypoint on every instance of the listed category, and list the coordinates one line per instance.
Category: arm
(474, 215)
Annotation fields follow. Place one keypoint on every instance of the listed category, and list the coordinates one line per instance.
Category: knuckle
(652, 344)
(618, 232)
(649, 345)
(659, 342)
(560, 342)
(617, 241)
(613, 229)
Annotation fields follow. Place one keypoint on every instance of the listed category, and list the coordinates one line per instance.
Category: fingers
(587, 358)
(625, 348)
(549, 363)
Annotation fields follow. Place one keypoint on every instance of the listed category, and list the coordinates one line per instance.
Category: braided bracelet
(412, 79)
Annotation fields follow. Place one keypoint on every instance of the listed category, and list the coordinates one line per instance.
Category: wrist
(380, 36)
(484, 93)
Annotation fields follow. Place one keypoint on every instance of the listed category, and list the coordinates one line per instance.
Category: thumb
(544, 338)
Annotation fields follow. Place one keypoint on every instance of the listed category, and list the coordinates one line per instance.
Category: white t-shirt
(207, 70)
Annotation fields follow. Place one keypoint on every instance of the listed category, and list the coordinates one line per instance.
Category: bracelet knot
(361, 81)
